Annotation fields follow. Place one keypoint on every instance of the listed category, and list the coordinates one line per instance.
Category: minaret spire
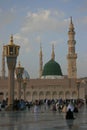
(72, 56)
(71, 27)
(41, 61)
(71, 19)
(53, 54)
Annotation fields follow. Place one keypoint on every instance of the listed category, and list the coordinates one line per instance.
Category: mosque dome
(52, 68)
(25, 75)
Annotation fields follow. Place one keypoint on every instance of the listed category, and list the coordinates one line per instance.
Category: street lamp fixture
(24, 88)
(19, 73)
(26, 78)
(78, 85)
(11, 51)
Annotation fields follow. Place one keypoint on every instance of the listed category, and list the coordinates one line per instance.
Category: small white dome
(25, 75)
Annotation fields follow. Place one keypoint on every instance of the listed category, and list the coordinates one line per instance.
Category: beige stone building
(51, 84)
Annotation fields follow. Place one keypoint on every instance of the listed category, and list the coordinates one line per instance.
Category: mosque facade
(51, 84)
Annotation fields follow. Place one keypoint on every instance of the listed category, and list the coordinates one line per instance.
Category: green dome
(52, 68)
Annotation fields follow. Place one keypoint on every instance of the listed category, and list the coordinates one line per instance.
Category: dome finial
(53, 54)
(71, 19)
(71, 23)
(19, 64)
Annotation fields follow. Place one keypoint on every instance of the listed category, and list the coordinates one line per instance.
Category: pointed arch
(34, 95)
(41, 95)
(54, 95)
(67, 95)
(61, 94)
(28, 96)
(74, 95)
(48, 95)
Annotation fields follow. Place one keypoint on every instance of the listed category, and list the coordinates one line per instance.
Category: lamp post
(25, 80)
(19, 72)
(24, 88)
(11, 52)
(78, 85)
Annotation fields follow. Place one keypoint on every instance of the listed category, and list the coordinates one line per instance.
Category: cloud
(53, 42)
(44, 21)
(84, 20)
(65, 1)
(22, 41)
(83, 7)
(38, 39)
(13, 9)
(59, 41)
(37, 22)
(6, 17)
(0, 10)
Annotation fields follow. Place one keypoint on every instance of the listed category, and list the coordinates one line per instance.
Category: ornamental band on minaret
(72, 56)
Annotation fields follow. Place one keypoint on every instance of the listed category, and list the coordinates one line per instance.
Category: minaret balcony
(72, 56)
(72, 41)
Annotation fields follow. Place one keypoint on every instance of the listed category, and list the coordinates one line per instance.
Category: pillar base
(9, 107)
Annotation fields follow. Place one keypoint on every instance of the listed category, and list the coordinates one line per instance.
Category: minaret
(41, 61)
(72, 56)
(53, 54)
(3, 64)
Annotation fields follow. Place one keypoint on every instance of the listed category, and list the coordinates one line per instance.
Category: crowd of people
(68, 106)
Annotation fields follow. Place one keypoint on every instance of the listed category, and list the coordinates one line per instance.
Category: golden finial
(53, 54)
(71, 23)
(11, 39)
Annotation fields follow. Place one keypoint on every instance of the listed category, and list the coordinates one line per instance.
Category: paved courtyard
(48, 120)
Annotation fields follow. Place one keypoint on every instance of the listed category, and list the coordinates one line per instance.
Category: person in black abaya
(69, 114)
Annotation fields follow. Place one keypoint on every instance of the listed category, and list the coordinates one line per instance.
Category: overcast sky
(45, 21)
